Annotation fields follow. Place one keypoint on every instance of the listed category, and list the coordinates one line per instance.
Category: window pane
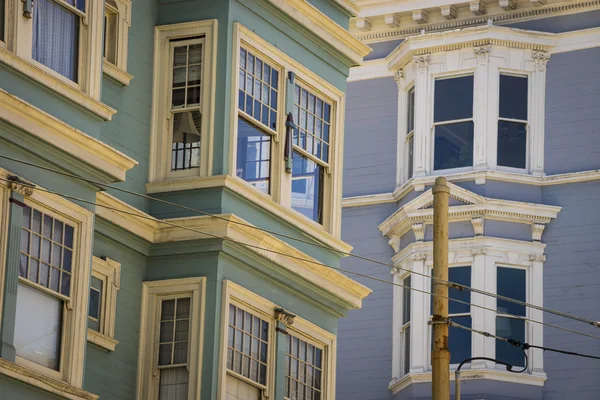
(411, 157)
(307, 187)
(512, 144)
(453, 99)
(511, 283)
(173, 384)
(510, 328)
(410, 108)
(38, 327)
(260, 90)
(513, 97)
(249, 351)
(407, 350)
(313, 123)
(304, 377)
(453, 146)
(110, 37)
(56, 38)
(459, 340)
(187, 129)
(406, 300)
(253, 155)
(460, 275)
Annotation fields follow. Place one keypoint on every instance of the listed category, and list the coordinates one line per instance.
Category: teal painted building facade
(147, 249)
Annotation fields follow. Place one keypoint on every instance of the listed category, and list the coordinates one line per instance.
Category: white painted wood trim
(70, 140)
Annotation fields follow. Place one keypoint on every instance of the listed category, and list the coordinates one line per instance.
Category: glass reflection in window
(511, 282)
(307, 187)
(253, 155)
(512, 124)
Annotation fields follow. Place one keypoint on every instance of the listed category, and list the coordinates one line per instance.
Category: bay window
(512, 122)
(286, 122)
(453, 122)
(117, 19)
(102, 308)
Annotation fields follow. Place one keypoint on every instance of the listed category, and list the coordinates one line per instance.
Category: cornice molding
(57, 133)
(56, 84)
(474, 206)
(236, 230)
(258, 198)
(43, 382)
(382, 32)
(324, 27)
(480, 177)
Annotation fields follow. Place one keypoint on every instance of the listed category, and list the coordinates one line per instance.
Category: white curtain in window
(239, 390)
(173, 384)
(56, 37)
(37, 327)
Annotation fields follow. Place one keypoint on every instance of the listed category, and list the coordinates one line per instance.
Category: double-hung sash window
(248, 347)
(405, 329)
(410, 132)
(97, 297)
(311, 152)
(185, 103)
(512, 122)
(45, 273)
(56, 25)
(173, 348)
(453, 122)
(510, 319)
(303, 370)
(257, 118)
(459, 341)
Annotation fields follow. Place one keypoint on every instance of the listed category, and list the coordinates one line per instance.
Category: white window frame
(16, 52)
(109, 272)
(277, 135)
(486, 63)
(152, 294)
(280, 180)
(327, 342)
(118, 70)
(484, 255)
(160, 136)
(73, 333)
(260, 307)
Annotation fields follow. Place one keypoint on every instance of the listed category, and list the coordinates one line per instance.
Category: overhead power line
(312, 243)
(523, 346)
(166, 222)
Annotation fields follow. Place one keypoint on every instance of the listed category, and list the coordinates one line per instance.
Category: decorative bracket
(419, 231)
(478, 223)
(537, 230)
(20, 186)
(285, 317)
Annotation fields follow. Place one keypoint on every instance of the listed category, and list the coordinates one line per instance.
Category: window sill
(54, 83)
(101, 340)
(536, 379)
(264, 201)
(116, 73)
(43, 382)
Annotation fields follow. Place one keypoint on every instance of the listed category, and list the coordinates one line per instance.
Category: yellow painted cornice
(321, 25)
(76, 143)
(237, 230)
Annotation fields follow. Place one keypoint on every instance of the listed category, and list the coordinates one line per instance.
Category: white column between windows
(401, 129)
(478, 278)
(422, 136)
(537, 100)
(535, 333)
(480, 101)
(419, 362)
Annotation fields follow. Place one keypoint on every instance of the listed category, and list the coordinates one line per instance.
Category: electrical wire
(166, 222)
(316, 244)
(523, 346)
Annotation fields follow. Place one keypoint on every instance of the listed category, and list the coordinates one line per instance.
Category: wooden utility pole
(440, 356)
